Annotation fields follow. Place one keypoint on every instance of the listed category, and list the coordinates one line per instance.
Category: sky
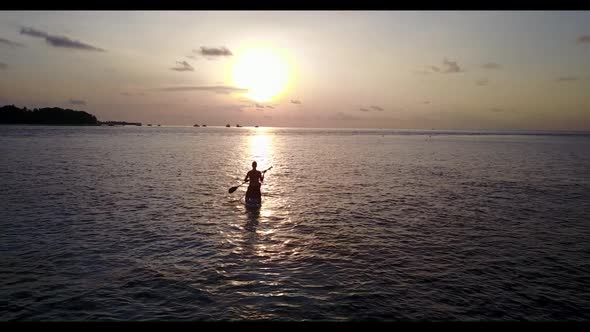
(490, 70)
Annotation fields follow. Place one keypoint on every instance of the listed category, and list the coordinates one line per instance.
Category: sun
(263, 72)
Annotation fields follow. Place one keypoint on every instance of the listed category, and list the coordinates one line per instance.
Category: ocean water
(136, 223)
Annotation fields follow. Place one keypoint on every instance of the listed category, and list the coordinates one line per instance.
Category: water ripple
(114, 223)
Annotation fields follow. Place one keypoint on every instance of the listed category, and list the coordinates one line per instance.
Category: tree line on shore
(10, 114)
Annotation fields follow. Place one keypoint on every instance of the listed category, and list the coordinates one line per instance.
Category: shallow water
(136, 223)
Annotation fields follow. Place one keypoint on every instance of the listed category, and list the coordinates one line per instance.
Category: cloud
(340, 116)
(503, 110)
(377, 108)
(567, 79)
(364, 110)
(191, 57)
(451, 66)
(298, 102)
(77, 102)
(128, 94)
(10, 43)
(33, 33)
(60, 41)
(213, 88)
(426, 102)
(482, 82)
(213, 51)
(271, 107)
(447, 67)
(583, 39)
(183, 66)
(491, 65)
(259, 106)
(3, 65)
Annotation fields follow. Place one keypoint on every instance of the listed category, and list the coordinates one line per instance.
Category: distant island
(11, 114)
(119, 123)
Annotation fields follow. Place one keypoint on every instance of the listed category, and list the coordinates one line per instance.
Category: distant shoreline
(365, 131)
(53, 116)
(10, 114)
(51, 124)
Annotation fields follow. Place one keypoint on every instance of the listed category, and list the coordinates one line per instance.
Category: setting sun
(263, 72)
(295, 165)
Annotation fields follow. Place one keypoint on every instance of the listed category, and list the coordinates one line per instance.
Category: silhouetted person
(256, 178)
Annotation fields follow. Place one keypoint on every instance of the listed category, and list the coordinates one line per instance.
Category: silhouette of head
(254, 164)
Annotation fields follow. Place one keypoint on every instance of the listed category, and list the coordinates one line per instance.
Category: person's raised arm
(247, 177)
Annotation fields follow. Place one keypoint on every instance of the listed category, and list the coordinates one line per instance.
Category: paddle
(232, 189)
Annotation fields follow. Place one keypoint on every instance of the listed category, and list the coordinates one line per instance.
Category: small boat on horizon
(238, 126)
(149, 124)
(227, 125)
(196, 125)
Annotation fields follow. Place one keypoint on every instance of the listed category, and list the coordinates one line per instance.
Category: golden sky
(353, 69)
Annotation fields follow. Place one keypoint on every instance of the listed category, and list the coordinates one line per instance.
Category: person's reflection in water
(252, 221)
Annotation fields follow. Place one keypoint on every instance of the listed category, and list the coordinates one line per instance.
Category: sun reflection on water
(260, 145)
(261, 237)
